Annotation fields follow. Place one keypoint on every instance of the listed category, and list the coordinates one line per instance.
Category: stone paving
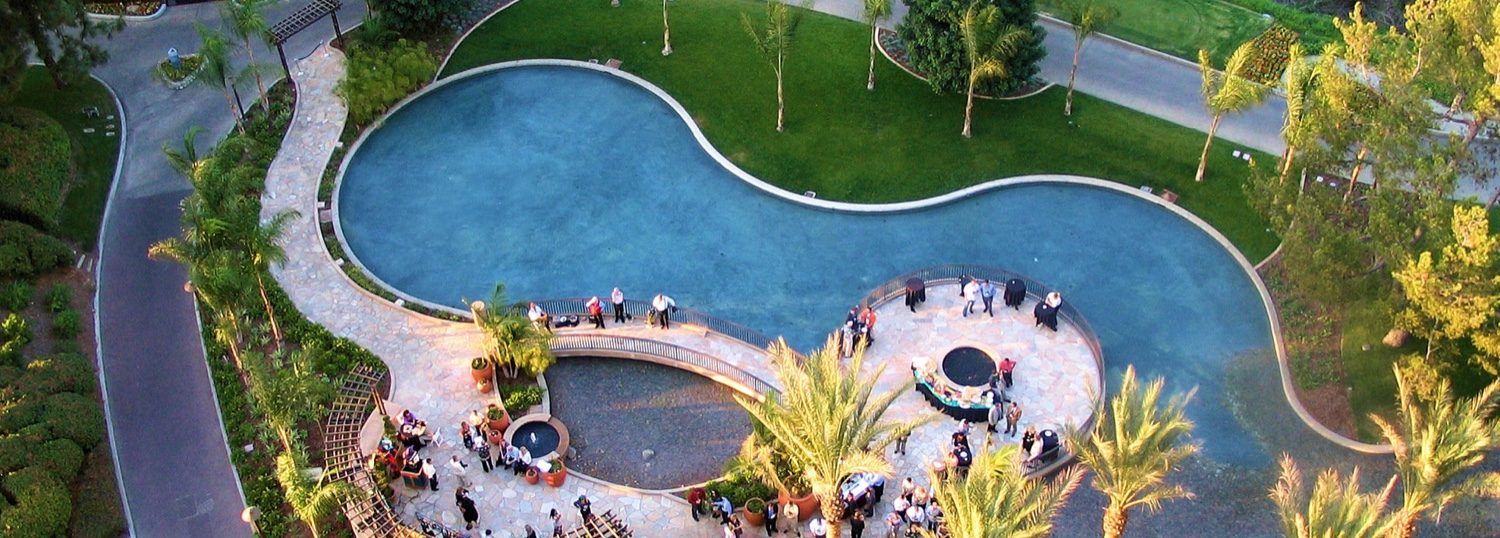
(428, 358)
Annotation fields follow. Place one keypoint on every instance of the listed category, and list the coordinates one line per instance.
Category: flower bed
(130, 9)
(190, 66)
(1271, 50)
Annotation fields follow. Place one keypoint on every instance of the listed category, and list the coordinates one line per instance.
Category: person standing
(483, 450)
(724, 508)
(901, 442)
(857, 525)
(430, 471)
(893, 520)
(1012, 418)
(585, 509)
(538, 317)
(970, 294)
(818, 527)
(877, 487)
(770, 515)
(513, 459)
(596, 312)
(697, 502)
(1007, 368)
(963, 285)
(460, 470)
(664, 306)
(557, 524)
(987, 293)
(868, 318)
(617, 298)
(997, 412)
(792, 514)
(530, 532)
(466, 507)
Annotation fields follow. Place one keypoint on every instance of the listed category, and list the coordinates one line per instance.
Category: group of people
(659, 315)
(720, 508)
(913, 510)
(859, 327)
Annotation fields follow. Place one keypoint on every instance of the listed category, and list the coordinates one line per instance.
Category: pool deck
(428, 357)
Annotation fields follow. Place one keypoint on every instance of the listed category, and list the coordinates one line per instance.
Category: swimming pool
(566, 182)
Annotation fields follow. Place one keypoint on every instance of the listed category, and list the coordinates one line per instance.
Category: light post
(250, 515)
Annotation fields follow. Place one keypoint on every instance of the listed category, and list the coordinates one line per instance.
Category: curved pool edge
(1288, 389)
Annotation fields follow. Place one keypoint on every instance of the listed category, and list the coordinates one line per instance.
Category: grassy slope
(900, 142)
(95, 154)
(1180, 27)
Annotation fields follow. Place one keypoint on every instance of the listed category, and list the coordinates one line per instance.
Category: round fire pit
(968, 367)
(543, 435)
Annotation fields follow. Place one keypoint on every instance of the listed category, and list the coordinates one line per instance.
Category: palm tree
(247, 22)
(217, 71)
(781, 24)
(1437, 441)
(874, 11)
(511, 341)
(288, 388)
(997, 500)
(1133, 449)
(310, 499)
(827, 420)
(1335, 509)
(185, 161)
(265, 250)
(666, 31)
(1297, 84)
(1227, 92)
(989, 47)
(1087, 18)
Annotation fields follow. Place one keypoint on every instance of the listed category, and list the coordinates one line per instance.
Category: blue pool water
(564, 182)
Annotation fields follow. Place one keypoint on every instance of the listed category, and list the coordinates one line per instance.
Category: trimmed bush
(60, 457)
(26, 252)
(42, 505)
(520, 397)
(9, 374)
(62, 372)
(19, 413)
(74, 416)
(378, 77)
(66, 324)
(418, 18)
(16, 296)
(12, 453)
(35, 164)
(59, 298)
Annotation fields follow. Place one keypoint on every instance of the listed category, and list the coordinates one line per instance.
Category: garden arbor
(303, 18)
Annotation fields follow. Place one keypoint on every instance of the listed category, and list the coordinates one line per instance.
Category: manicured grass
(1372, 386)
(899, 142)
(1180, 27)
(94, 153)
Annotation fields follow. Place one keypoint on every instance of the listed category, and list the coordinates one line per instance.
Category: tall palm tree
(874, 11)
(666, 31)
(1437, 441)
(997, 500)
(1297, 84)
(218, 72)
(1088, 17)
(988, 45)
(1335, 509)
(1136, 445)
(185, 161)
(511, 341)
(781, 25)
(827, 420)
(288, 388)
(247, 22)
(265, 250)
(1226, 92)
(311, 499)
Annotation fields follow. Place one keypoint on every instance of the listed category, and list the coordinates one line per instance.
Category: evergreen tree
(935, 44)
(59, 34)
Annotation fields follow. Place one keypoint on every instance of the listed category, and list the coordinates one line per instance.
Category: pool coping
(1287, 382)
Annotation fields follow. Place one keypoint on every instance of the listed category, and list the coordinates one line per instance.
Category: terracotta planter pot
(556, 478)
(485, 374)
(501, 423)
(532, 477)
(754, 518)
(807, 505)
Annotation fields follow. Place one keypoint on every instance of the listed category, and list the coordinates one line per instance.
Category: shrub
(418, 18)
(15, 327)
(19, 413)
(9, 373)
(1272, 48)
(66, 324)
(935, 46)
(60, 457)
(16, 296)
(42, 505)
(742, 487)
(74, 416)
(59, 297)
(12, 453)
(190, 65)
(378, 77)
(520, 397)
(62, 372)
(35, 164)
(25, 252)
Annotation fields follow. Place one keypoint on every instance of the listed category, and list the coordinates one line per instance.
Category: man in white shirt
(617, 298)
(971, 294)
(818, 527)
(460, 470)
(664, 306)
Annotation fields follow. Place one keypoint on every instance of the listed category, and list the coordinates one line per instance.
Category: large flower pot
(497, 424)
(483, 372)
(757, 517)
(532, 477)
(556, 478)
(807, 505)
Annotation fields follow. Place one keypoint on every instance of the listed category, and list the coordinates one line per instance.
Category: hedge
(42, 505)
(74, 416)
(16, 296)
(62, 372)
(35, 164)
(26, 252)
(61, 458)
(1316, 29)
(19, 413)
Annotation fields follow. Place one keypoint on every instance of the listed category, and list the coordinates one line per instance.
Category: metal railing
(637, 309)
(598, 343)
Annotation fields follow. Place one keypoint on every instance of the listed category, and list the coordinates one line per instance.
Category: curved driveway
(164, 423)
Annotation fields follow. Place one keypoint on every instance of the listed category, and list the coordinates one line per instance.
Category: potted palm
(557, 475)
(483, 372)
(757, 459)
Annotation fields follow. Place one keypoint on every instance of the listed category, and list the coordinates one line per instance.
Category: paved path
(165, 431)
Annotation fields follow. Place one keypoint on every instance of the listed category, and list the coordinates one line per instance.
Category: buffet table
(976, 413)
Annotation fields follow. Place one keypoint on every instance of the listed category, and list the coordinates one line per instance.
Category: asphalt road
(164, 422)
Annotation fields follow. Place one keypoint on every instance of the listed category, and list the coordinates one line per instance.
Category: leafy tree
(1457, 296)
(1138, 442)
(827, 420)
(988, 46)
(289, 390)
(774, 43)
(379, 77)
(419, 18)
(511, 341)
(934, 44)
(1226, 92)
(247, 23)
(60, 35)
(311, 499)
(1437, 442)
(874, 11)
(15, 50)
(997, 500)
(1088, 17)
(1446, 39)
(1335, 509)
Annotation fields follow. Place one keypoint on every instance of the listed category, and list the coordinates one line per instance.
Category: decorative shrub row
(1272, 48)
(377, 77)
(26, 252)
(1316, 29)
(49, 419)
(520, 397)
(35, 164)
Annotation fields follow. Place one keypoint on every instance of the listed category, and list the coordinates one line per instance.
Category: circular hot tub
(543, 435)
(968, 367)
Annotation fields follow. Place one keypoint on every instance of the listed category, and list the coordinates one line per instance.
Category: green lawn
(1180, 27)
(94, 153)
(900, 142)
